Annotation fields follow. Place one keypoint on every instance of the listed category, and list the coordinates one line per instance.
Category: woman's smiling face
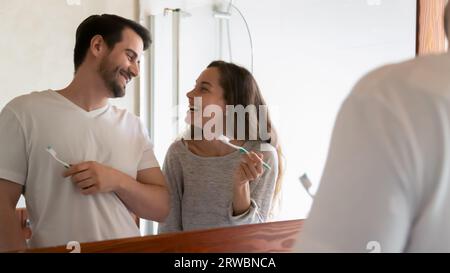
(207, 88)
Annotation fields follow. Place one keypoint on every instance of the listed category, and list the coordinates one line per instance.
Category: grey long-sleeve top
(202, 188)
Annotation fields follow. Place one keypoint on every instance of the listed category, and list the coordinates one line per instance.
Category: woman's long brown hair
(240, 88)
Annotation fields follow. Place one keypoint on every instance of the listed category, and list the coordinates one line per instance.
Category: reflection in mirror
(304, 55)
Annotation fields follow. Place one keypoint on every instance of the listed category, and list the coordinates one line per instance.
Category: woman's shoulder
(176, 147)
(260, 146)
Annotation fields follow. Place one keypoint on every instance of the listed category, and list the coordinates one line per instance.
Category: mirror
(305, 56)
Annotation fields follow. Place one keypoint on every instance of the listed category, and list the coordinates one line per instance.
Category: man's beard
(109, 76)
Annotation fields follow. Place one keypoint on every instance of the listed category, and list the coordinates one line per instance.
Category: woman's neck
(211, 148)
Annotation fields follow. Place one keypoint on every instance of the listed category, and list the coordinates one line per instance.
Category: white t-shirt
(386, 183)
(58, 212)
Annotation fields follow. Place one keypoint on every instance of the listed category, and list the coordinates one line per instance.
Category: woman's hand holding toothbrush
(250, 168)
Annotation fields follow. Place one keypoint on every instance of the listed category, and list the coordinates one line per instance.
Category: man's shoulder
(23, 102)
(410, 75)
(125, 113)
(128, 121)
(383, 74)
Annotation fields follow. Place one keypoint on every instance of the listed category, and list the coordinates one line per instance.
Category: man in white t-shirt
(113, 170)
(386, 183)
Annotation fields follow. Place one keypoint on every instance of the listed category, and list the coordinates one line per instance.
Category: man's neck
(87, 90)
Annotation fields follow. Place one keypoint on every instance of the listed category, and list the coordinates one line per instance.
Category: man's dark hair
(110, 27)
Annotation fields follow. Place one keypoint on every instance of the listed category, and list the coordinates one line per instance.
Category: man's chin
(117, 92)
(119, 95)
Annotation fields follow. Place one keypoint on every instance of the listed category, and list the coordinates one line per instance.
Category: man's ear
(98, 46)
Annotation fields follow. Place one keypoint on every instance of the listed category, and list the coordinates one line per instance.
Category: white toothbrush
(226, 141)
(306, 184)
(53, 153)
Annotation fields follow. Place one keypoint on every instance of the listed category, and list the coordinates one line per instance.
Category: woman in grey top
(211, 183)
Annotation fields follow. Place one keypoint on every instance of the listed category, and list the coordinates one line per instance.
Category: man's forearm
(11, 236)
(146, 201)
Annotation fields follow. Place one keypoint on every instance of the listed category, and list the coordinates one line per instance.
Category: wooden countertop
(255, 238)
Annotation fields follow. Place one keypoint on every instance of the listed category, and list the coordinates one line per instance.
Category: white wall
(36, 48)
(37, 43)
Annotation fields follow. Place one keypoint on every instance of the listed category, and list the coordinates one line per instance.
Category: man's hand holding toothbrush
(92, 177)
(146, 196)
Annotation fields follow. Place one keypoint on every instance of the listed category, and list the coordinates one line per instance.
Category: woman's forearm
(241, 198)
